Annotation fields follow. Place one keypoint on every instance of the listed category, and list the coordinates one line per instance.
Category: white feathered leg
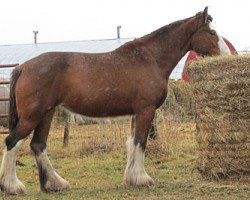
(9, 183)
(50, 181)
(135, 173)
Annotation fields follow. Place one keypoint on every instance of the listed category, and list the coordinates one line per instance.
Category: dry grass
(221, 89)
(94, 139)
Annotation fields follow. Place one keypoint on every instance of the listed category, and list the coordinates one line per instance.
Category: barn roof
(19, 53)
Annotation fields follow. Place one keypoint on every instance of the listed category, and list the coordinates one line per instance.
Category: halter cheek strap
(209, 18)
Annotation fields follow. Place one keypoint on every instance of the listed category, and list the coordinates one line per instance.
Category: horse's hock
(221, 90)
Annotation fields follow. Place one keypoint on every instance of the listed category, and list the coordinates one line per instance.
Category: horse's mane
(165, 29)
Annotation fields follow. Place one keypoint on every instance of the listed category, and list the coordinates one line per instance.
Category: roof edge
(128, 38)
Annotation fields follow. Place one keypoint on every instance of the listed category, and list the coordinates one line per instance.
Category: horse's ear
(205, 15)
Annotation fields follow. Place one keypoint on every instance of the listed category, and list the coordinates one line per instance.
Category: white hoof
(12, 188)
(56, 184)
(140, 179)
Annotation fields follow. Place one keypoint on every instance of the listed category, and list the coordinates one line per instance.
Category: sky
(72, 20)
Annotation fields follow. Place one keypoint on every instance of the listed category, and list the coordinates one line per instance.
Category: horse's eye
(212, 32)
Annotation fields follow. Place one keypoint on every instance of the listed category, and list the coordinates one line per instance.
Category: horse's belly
(99, 108)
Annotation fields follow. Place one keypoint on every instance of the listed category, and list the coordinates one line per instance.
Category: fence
(3, 98)
(178, 108)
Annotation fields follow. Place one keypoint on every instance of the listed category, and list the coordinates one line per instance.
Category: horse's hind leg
(49, 179)
(135, 173)
(9, 183)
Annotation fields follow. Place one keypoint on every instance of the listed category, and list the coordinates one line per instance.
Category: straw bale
(221, 91)
(179, 102)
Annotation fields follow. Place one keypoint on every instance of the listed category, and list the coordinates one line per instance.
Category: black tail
(13, 116)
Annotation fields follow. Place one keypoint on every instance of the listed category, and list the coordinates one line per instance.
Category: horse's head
(206, 40)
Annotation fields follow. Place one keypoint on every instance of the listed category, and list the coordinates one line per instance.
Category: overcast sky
(71, 20)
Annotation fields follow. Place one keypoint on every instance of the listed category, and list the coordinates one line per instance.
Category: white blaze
(224, 50)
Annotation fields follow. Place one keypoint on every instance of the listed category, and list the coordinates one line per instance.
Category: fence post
(66, 129)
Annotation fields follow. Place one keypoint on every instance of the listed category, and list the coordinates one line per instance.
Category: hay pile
(179, 102)
(221, 90)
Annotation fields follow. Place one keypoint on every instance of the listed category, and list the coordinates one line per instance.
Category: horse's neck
(170, 45)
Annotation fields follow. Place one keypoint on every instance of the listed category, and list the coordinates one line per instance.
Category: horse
(131, 80)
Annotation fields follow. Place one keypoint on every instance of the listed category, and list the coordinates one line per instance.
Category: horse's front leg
(135, 173)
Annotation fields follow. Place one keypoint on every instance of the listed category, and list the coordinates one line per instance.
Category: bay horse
(131, 80)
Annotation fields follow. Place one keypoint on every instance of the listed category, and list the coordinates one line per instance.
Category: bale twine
(221, 90)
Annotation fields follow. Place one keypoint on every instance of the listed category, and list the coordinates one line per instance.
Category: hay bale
(179, 101)
(221, 90)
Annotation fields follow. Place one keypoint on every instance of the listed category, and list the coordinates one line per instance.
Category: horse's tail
(13, 115)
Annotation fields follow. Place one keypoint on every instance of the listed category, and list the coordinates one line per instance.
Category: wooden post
(66, 129)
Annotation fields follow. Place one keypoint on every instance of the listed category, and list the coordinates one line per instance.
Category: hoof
(138, 180)
(56, 185)
(12, 188)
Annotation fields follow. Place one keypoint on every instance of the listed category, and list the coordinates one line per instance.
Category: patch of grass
(95, 159)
